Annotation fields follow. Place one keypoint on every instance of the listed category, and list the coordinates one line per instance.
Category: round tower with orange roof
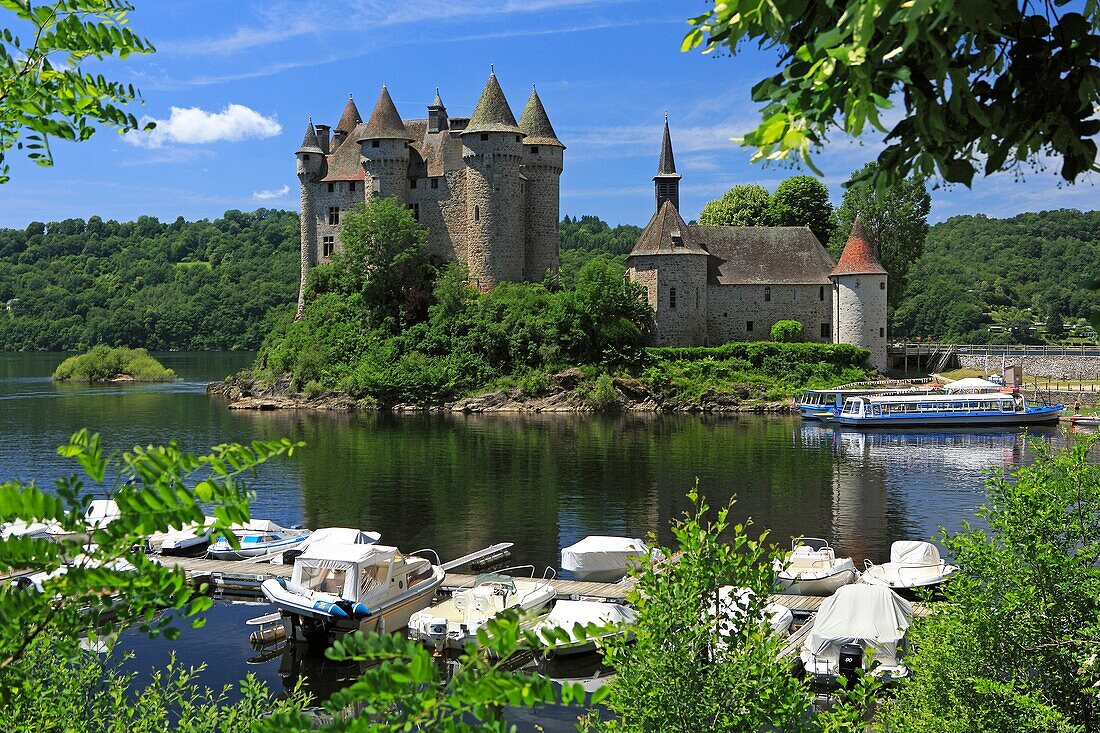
(859, 298)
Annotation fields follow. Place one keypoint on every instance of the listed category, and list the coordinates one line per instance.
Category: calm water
(459, 483)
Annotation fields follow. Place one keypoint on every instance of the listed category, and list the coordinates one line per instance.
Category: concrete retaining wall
(1055, 367)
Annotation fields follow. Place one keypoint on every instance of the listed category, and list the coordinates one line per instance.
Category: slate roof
(310, 144)
(437, 102)
(666, 166)
(764, 255)
(492, 113)
(344, 163)
(350, 118)
(657, 238)
(536, 123)
(385, 123)
(858, 257)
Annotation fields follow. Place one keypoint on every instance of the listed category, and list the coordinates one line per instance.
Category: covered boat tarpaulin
(972, 384)
(346, 570)
(598, 554)
(873, 617)
(340, 535)
(914, 552)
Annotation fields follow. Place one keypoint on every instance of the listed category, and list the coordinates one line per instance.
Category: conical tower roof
(384, 122)
(492, 113)
(350, 118)
(310, 143)
(666, 166)
(858, 257)
(666, 234)
(535, 122)
(437, 102)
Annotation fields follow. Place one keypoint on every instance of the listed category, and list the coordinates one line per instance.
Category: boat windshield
(324, 580)
(507, 581)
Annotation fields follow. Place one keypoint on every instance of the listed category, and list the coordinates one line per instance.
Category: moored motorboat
(602, 558)
(256, 538)
(734, 602)
(859, 628)
(813, 569)
(20, 528)
(599, 620)
(100, 513)
(337, 588)
(913, 565)
(454, 623)
(1085, 421)
(190, 540)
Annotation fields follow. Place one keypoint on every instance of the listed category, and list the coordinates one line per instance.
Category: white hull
(823, 586)
(446, 626)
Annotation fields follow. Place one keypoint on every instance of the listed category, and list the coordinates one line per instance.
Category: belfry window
(672, 298)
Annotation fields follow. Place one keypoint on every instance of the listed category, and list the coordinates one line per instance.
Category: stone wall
(442, 210)
(1056, 367)
(495, 215)
(543, 172)
(342, 196)
(387, 168)
(731, 307)
(861, 315)
(676, 289)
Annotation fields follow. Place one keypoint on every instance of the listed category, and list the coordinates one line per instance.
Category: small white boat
(857, 619)
(603, 559)
(454, 623)
(256, 538)
(190, 540)
(614, 619)
(20, 528)
(100, 513)
(813, 569)
(337, 588)
(913, 564)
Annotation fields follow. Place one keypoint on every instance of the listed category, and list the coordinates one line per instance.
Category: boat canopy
(259, 525)
(340, 535)
(347, 570)
(601, 553)
(971, 384)
(874, 617)
(913, 552)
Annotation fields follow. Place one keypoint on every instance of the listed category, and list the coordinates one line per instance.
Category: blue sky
(233, 83)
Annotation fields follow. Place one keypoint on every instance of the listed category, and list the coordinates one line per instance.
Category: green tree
(1056, 326)
(802, 201)
(983, 86)
(1013, 648)
(46, 90)
(787, 331)
(895, 217)
(741, 206)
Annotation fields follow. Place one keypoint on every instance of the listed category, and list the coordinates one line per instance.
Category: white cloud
(196, 126)
(271, 193)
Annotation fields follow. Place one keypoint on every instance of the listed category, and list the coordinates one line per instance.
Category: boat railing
(426, 550)
(814, 543)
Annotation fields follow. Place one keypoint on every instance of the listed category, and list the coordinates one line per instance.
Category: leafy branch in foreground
(44, 91)
(984, 87)
(96, 577)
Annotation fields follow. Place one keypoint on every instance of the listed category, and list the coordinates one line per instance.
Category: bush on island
(104, 364)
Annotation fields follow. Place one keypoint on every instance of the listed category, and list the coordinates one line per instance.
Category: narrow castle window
(882, 286)
(327, 245)
(375, 143)
(672, 298)
(882, 333)
(334, 215)
(435, 183)
(821, 293)
(518, 138)
(767, 295)
(748, 326)
(351, 186)
(305, 158)
(331, 186)
(794, 293)
(484, 136)
(477, 213)
(416, 211)
(826, 331)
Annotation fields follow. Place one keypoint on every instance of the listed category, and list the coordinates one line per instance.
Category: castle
(709, 285)
(485, 187)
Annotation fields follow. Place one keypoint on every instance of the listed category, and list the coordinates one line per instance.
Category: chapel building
(711, 285)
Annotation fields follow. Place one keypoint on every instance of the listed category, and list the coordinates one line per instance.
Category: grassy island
(405, 330)
(106, 364)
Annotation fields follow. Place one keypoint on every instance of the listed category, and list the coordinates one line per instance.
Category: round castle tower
(859, 302)
(495, 219)
(310, 156)
(542, 166)
(384, 144)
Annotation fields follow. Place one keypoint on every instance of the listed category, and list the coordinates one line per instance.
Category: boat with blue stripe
(964, 409)
(819, 404)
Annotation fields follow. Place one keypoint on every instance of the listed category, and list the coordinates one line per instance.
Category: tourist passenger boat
(813, 569)
(454, 623)
(337, 588)
(820, 404)
(913, 565)
(965, 409)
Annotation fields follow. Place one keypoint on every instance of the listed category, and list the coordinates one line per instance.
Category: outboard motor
(289, 555)
(850, 665)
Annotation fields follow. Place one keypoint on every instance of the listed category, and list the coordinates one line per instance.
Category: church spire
(666, 184)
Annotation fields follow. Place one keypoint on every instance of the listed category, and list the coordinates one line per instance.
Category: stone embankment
(566, 395)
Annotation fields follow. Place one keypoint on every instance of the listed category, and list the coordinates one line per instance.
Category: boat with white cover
(603, 559)
(337, 588)
(257, 537)
(733, 602)
(857, 619)
(614, 619)
(913, 564)
(454, 623)
(813, 569)
(190, 540)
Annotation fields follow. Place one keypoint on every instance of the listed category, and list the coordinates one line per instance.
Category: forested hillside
(1019, 276)
(219, 284)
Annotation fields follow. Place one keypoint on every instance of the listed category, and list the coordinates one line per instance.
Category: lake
(457, 483)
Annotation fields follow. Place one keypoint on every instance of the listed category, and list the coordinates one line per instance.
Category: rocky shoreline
(566, 395)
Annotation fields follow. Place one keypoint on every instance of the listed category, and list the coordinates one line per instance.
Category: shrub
(103, 363)
(603, 397)
(787, 332)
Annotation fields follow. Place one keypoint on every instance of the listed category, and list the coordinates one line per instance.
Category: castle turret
(310, 157)
(437, 114)
(666, 184)
(384, 145)
(542, 166)
(495, 214)
(349, 120)
(859, 302)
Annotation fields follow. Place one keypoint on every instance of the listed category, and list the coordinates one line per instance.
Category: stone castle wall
(730, 308)
(343, 197)
(861, 315)
(543, 173)
(495, 215)
(686, 276)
